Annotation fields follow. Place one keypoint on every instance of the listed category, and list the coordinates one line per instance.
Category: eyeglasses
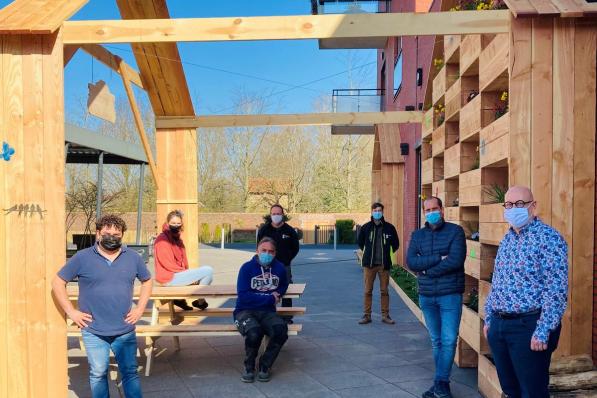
(518, 204)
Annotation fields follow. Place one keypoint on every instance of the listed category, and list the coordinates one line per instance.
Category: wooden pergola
(37, 41)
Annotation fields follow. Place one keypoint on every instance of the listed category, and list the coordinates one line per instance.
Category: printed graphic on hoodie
(265, 282)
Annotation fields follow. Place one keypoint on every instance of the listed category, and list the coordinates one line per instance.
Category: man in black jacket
(377, 239)
(436, 253)
(287, 244)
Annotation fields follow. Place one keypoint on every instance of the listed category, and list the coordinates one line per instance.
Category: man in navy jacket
(436, 253)
(261, 284)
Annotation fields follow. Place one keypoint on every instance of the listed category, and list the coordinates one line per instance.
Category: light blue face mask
(265, 259)
(433, 217)
(517, 217)
(377, 215)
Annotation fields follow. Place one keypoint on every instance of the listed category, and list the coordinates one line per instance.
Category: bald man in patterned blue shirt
(527, 300)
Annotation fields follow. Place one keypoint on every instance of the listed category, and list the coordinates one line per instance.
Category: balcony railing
(320, 7)
(357, 100)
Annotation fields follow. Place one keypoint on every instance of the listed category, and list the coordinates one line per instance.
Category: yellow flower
(504, 96)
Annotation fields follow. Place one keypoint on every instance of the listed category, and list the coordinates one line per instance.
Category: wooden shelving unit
(466, 160)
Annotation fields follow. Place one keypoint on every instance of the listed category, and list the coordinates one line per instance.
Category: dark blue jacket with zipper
(366, 241)
(427, 246)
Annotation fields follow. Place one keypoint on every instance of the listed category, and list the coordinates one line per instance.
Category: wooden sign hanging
(100, 101)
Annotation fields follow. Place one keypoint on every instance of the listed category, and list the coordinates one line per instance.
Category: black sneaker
(264, 375)
(182, 304)
(442, 390)
(248, 376)
(201, 304)
(430, 393)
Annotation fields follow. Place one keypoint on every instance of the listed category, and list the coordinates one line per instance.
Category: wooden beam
(112, 61)
(37, 17)
(294, 27)
(139, 122)
(306, 119)
(69, 53)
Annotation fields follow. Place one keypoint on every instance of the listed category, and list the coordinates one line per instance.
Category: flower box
(492, 227)
(444, 137)
(451, 47)
(459, 158)
(493, 64)
(432, 170)
(465, 356)
(494, 143)
(427, 124)
(444, 80)
(484, 289)
(470, 50)
(470, 328)
(488, 382)
(470, 119)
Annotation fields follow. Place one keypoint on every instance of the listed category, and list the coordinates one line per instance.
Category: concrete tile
(403, 373)
(236, 389)
(377, 391)
(342, 380)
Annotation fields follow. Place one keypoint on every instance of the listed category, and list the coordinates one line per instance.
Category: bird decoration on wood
(7, 151)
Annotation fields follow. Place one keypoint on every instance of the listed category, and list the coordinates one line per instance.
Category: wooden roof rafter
(37, 16)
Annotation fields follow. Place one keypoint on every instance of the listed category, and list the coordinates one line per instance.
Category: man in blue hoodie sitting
(261, 284)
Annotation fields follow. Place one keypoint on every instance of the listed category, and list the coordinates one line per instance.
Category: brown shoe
(365, 319)
(387, 319)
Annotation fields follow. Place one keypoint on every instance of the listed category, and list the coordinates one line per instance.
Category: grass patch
(407, 282)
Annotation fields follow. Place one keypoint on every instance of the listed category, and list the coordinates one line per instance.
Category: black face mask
(110, 242)
(175, 228)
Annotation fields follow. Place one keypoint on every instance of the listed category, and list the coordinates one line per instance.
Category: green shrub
(407, 282)
(345, 231)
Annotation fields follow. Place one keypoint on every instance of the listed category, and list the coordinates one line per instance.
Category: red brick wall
(417, 52)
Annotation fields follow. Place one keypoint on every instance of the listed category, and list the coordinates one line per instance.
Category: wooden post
(32, 233)
(177, 176)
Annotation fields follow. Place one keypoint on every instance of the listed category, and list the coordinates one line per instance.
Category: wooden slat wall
(391, 195)
(585, 37)
(556, 103)
(32, 330)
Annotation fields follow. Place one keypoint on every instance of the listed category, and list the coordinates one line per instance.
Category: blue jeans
(124, 348)
(442, 317)
(522, 371)
(203, 275)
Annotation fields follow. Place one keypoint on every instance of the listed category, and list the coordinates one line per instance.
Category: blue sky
(294, 63)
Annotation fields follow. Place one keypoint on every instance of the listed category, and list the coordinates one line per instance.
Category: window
(398, 75)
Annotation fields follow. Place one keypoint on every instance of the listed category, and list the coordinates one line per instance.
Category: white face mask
(277, 218)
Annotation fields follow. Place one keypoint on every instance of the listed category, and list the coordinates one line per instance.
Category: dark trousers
(287, 302)
(253, 325)
(523, 373)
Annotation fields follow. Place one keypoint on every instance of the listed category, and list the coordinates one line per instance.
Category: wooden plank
(470, 49)
(172, 292)
(492, 233)
(465, 356)
(521, 7)
(53, 111)
(545, 7)
(470, 328)
(294, 27)
(470, 191)
(493, 64)
(438, 140)
(489, 383)
(484, 289)
(542, 115)
(568, 8)
(427, 171)
(69, 53)
(296, 119)
(18, 385)
(34, 175)
(112, 61)
(37, 16)
(581, 281)
(470, 118)
(494, 143)
(520, 102)
(389, 143)
(451, 47)
(139, 123)
(226, 312)
(563, 150)
(427, 124)
(188, 330)
(4, 321)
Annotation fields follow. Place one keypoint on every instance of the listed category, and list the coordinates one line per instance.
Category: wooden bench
(162, 296)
